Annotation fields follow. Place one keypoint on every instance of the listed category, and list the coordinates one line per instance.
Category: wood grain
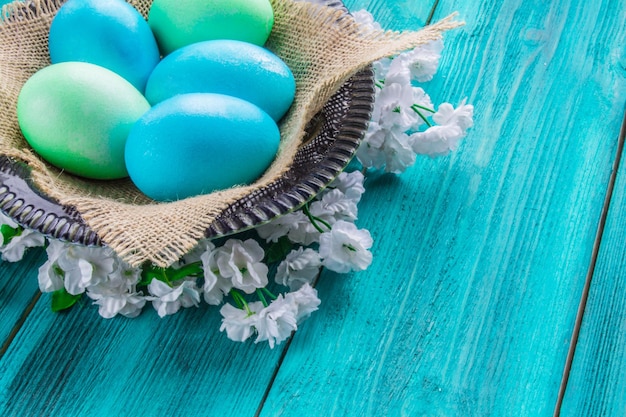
(79, 364)
(480, 258)
(18, 287)
(597, 382)
(396, 14)
(479, 262)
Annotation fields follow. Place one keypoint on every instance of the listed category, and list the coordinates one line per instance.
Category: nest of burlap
(322, 46)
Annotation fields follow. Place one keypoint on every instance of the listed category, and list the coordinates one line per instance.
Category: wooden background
(484, 262)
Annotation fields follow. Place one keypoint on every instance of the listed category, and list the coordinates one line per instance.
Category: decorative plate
(332, 139)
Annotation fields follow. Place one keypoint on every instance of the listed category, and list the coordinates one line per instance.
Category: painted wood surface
(597, 382)
(18, 288)
(78, 364)
(481, 258)
(480, 261)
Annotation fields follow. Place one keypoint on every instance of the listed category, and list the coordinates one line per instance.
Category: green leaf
(62, 300)
(9, 232)
(149, 272)
(279, 250)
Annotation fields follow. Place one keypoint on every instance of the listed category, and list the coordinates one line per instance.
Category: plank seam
(18, 325)
(429, 19)
(282, 357)
(270, 384)
(590, 272)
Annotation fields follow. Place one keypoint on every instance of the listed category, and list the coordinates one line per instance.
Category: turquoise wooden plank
(597, 381)
(79, 364)
(398, 14)
(18, 287)
(479, 258)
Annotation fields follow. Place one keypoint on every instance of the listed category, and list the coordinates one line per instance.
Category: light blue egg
(109, 33)
(198, 143)
(230, 67)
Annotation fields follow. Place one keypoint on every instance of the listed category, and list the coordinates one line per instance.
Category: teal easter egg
(194, 144)
(234, 68)
(109, 33)
(177, 23)
(77, 116)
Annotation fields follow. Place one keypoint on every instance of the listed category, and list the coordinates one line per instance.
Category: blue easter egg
(198, 143)
(229, 67)
(109, 33)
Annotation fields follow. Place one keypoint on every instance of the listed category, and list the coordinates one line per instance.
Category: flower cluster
(234, 273)
(264, 279)
(404, 121)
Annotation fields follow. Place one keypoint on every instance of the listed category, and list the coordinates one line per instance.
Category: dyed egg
(77, 116)
(197, 143)
(229, 67)
(109, 33)
(177, 23)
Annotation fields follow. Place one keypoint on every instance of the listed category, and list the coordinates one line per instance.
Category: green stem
(423, 108)
(259, 293)
(239, 300)
(269, 293)
(315, 220)
(419, 113)
(192, 269)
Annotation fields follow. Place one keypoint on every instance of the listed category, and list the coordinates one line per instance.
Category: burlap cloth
(320, 44)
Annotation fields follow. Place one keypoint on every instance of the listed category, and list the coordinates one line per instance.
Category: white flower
(393, 107)
(306, 301)
(273, 323)
(398, 151)
(398, 73)
(395, 153)
(276, 321)
(371, 151)
(51, 275)
(280, 226)
(124, 275)
(117, 293)
(350, 184)
(238, 323)
(366, 20)
(300, 267)
(296, 226)
(215, 285)
(442, 138)
(423, 61)
(333, 205)
(85, 266)
(462, 116)
(436, 140)
(196, 253)
(13, 251)
(381, 67)
(168, 300)
(112, 303)
(345, 248)
(241, 263)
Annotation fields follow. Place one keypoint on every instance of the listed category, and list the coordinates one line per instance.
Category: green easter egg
(77, 117)
(177, 23)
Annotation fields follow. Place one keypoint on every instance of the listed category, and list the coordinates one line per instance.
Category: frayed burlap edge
(321, 45)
